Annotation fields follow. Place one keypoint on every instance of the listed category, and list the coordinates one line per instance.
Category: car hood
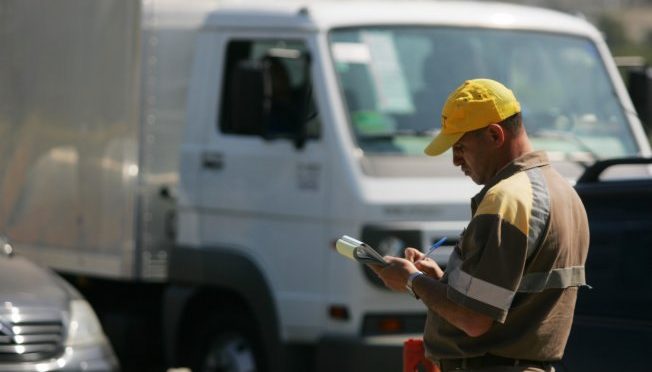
(23, 283)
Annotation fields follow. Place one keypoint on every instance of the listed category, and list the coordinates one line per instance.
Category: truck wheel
(227, 342)
(229, 352)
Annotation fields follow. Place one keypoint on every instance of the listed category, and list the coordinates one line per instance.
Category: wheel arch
(212, 279)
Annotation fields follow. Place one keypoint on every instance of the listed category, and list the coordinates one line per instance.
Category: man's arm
(432, 293)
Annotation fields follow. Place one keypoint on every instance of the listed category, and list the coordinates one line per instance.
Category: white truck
(189, 165)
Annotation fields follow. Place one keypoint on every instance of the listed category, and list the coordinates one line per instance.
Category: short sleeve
(486, 269)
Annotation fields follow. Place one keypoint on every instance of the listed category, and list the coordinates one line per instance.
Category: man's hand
(433, 293)
(423, 263)
(395, 275)
(413, 254)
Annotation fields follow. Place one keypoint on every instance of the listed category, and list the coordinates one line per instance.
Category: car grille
(29, 334)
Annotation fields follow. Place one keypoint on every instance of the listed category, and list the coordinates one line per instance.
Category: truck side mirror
(287, 100)
(247, 98)
(640, 90)
(271, 97)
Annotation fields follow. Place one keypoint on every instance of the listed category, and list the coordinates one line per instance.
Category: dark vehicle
(613, 320)
(45, 325)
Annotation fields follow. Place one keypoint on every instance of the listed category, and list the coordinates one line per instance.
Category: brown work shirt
(519, 261)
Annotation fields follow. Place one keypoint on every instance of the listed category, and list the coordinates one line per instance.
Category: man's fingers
(430, 267)
(413, 254)
(395, 274)
(376, 268)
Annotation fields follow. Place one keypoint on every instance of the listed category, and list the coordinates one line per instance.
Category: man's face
(472, 154)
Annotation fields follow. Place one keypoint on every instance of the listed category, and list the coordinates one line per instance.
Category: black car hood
(23, 283)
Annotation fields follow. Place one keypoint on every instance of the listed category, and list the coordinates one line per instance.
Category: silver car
(45, 324)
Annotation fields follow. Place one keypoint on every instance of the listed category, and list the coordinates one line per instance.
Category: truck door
(263, 172)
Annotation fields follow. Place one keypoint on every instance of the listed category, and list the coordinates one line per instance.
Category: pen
(435, 246)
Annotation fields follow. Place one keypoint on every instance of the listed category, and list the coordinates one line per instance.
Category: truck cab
(306, 123)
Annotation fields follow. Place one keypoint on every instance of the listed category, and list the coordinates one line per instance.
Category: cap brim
(441, 143)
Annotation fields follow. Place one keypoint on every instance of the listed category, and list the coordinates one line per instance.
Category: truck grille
(29, 334)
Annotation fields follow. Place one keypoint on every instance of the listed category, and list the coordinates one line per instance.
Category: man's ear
(496, 134)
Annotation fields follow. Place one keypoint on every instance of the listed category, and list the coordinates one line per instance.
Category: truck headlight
(84, 328)
(391, 246)
(388, 241)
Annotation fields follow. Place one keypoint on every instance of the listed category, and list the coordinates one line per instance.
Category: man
(506, 300)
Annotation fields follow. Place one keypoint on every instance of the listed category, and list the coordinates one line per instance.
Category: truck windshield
(395, 81)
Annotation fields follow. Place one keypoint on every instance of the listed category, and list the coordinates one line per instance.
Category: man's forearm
(433, 294)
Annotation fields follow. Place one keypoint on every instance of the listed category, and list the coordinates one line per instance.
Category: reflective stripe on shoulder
(557, 278)
(480, 290)
(540, 213)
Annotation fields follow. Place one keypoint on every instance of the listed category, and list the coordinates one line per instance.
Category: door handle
(212, 160)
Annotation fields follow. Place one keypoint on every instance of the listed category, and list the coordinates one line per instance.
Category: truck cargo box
(93, 102)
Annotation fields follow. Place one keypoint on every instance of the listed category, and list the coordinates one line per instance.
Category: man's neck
(517, 147)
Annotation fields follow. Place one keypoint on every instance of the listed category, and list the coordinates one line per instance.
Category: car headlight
(84, 328)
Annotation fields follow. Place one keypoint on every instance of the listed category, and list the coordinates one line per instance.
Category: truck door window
(267, 90)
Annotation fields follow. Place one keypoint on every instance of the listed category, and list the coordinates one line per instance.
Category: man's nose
(458, 160)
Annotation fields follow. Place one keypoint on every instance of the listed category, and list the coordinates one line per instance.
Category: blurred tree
(613, 30)
(616, 37)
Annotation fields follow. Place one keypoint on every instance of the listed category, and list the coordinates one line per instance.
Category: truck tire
(229, 352)
(228, 346)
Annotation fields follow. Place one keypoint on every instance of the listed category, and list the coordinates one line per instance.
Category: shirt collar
(522, 163)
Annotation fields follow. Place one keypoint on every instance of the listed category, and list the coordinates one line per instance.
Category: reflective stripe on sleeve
(557, 278)
(480, 290)
(501, 298)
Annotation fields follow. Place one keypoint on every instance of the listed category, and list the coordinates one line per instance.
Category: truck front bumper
(372, 354)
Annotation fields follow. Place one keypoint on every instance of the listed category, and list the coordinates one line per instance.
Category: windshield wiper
(396, 133)
(570, 137)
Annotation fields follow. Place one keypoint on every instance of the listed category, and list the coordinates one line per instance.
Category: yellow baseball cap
(473, 105)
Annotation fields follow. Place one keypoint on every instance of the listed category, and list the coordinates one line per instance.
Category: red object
(414, 355)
